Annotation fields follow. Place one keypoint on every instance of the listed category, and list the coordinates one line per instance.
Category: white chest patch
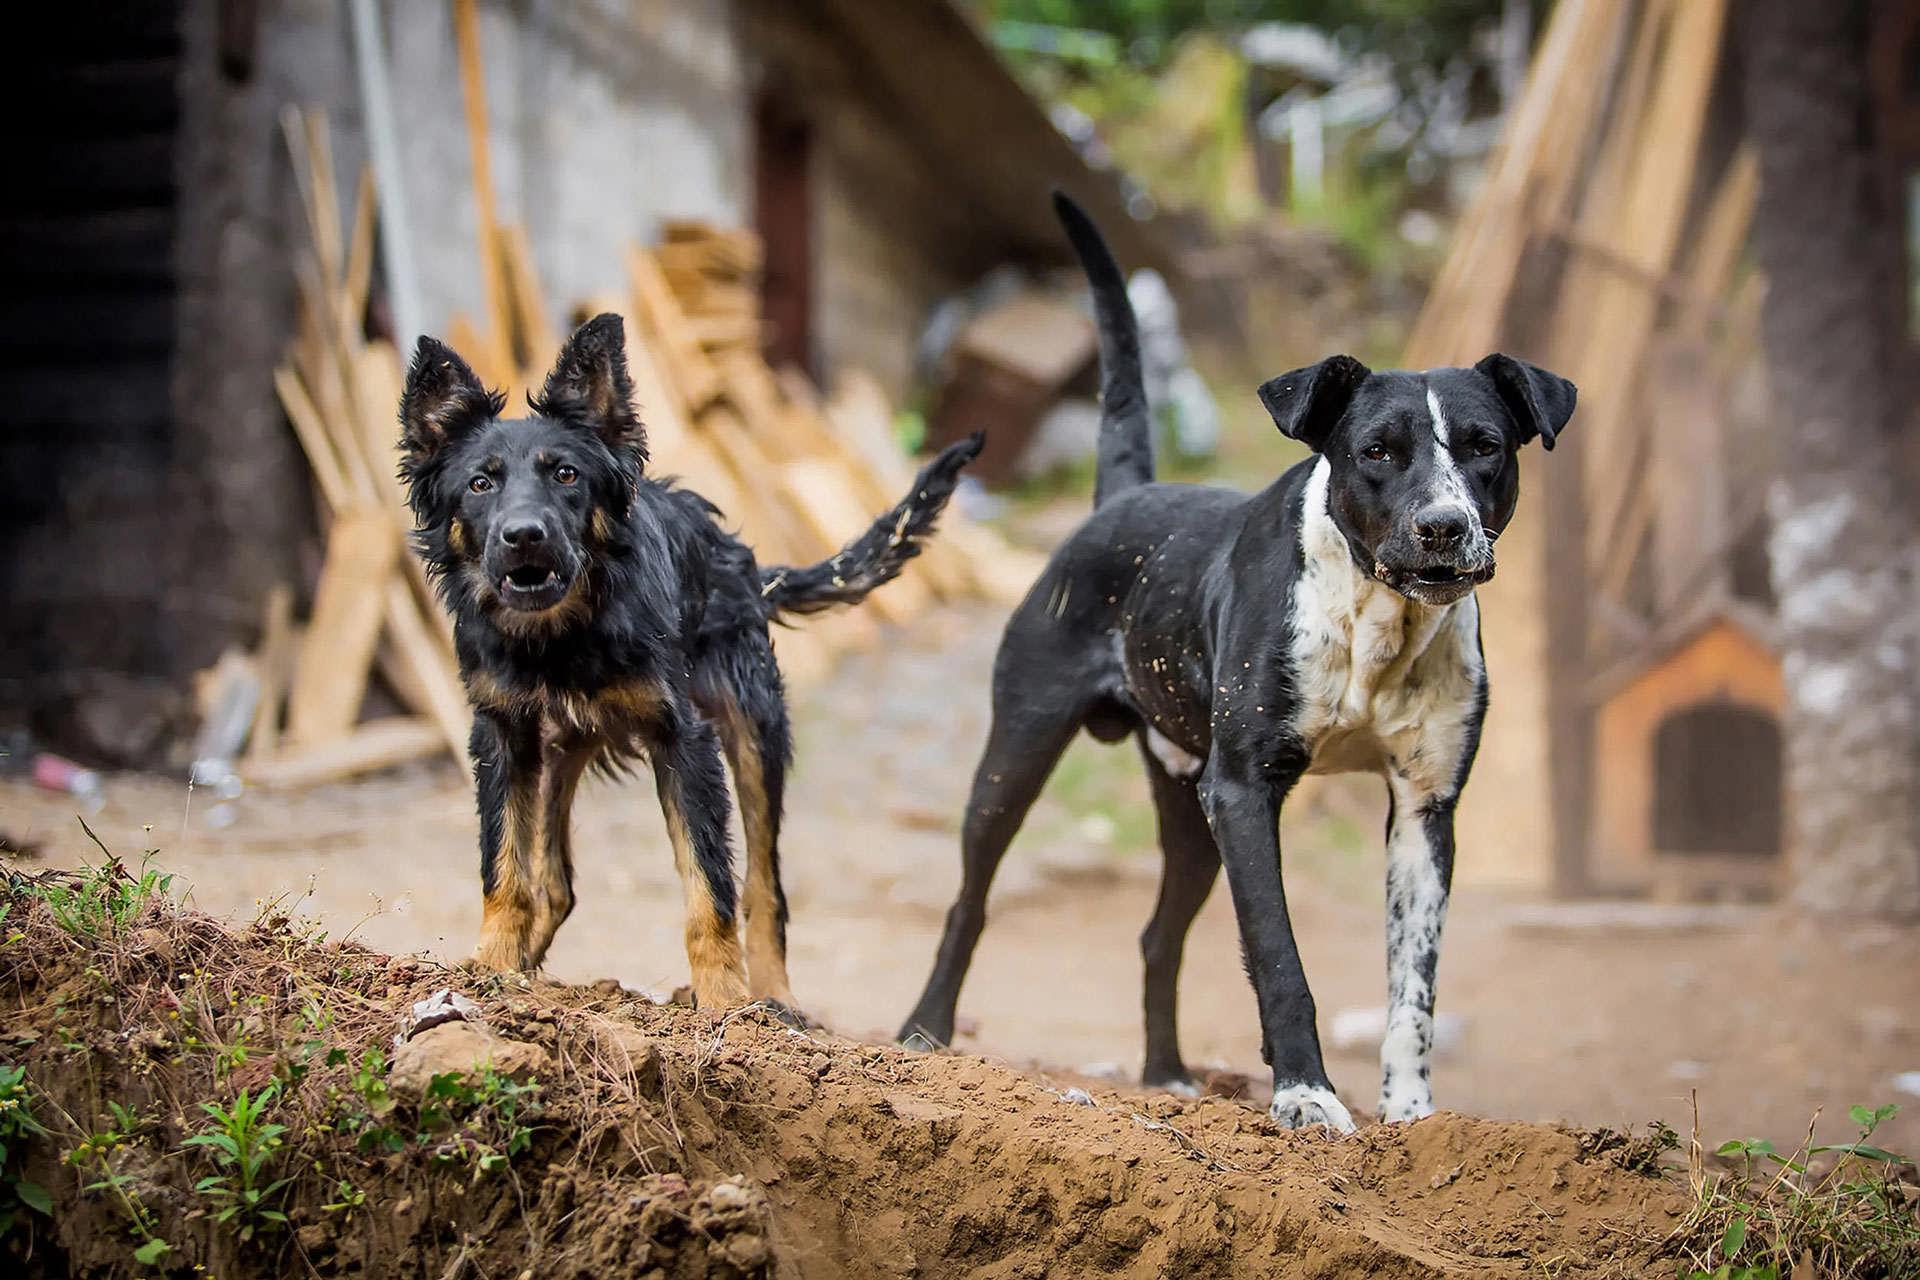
(1380, 677)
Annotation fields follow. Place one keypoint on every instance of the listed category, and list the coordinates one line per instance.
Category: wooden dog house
(1687, 767)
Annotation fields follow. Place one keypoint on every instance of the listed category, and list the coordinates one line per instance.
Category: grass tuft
(1823, 1211)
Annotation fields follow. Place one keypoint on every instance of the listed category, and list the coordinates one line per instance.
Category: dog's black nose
(521, 534)
(1441, 528)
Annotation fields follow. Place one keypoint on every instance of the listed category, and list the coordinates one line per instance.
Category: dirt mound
(602, 1134)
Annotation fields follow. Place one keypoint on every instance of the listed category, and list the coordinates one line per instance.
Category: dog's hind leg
(693, 796)
(1031, 727)
(552, 860)
(757, 747)
(506, 774)
(1191, 864)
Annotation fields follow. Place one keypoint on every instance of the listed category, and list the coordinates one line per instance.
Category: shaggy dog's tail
(1126, 432)
(877, 555)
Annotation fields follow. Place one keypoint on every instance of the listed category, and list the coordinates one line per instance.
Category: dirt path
(1768, 1020)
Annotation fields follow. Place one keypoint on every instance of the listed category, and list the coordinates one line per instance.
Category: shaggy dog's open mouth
(532, 587)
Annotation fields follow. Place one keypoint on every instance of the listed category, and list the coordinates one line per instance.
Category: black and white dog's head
(1424, 472)
(513, 512)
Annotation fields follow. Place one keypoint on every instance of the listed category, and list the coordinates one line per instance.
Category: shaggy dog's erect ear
(1307, 403)
(589, 386)
(1539, 401)
(443, 402)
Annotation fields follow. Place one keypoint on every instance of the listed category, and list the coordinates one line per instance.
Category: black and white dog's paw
(1297, 1106)
(1399, 1105)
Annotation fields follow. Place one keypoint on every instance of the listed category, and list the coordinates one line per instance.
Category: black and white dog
(1324, 625)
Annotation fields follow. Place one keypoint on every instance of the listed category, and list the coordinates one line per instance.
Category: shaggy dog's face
(514, 511)
(1424, 468)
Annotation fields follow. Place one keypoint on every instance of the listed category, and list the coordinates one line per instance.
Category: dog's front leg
(693, 795)
(1419, 873)
(506, 776)
(1242, 801)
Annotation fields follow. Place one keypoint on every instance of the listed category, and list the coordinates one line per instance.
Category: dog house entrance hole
(1716, 781)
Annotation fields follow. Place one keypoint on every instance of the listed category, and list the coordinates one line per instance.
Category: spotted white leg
(1419, 871)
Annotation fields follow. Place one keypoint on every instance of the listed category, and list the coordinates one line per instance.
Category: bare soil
(668, 1142)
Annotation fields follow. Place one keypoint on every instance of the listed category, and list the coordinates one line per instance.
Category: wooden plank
(1033, 335)
(430, 670)
(1619, 317)
(527, 299)
(473, 90)
(274, 660)
(1530, 180)
(358, 276)
(477, 349)
(348, 607)
(660, 318)
(1723, 236)
(377, 744)
(767, 519)
(315, 441)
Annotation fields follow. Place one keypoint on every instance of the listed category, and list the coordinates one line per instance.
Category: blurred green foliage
(1414, 32)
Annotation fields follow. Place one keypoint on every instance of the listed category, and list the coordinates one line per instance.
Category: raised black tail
(877, 555)
(1125, 456)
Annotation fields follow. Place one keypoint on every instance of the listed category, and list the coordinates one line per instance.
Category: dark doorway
(783, 215)
(1716, 781)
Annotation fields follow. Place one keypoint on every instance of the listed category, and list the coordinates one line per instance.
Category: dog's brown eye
(1375, 453)
(565, 474)
(480, 484)
(1484, 448)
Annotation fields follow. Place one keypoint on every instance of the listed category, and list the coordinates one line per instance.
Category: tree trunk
(1842, 545)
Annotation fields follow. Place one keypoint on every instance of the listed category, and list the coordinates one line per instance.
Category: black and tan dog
(601, 615)
(1324, 625)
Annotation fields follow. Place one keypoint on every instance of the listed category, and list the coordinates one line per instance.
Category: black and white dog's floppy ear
(443, 401)
(589, 386)
(1307, 403)
(1539, 401)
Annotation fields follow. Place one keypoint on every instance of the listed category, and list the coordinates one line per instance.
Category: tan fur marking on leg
(766, 950)
(507, 915)
(713, 945)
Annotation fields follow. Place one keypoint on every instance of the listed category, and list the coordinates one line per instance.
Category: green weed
(243, 1144)
(1856, 1220)
(107, 898)
(483, 1120)
(94, 1154)
(17, 1126)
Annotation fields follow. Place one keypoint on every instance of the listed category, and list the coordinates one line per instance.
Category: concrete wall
(605, 116)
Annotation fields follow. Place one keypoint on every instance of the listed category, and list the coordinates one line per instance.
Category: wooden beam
(377, 744)
(348, 607)
(473, 89)
(274, 660)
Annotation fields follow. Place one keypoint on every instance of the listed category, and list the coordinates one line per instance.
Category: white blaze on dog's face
(1423, 466)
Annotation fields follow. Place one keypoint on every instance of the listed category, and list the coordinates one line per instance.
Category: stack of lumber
(1610, 186)
(796, 474)
(372, 607)
(714, 273)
